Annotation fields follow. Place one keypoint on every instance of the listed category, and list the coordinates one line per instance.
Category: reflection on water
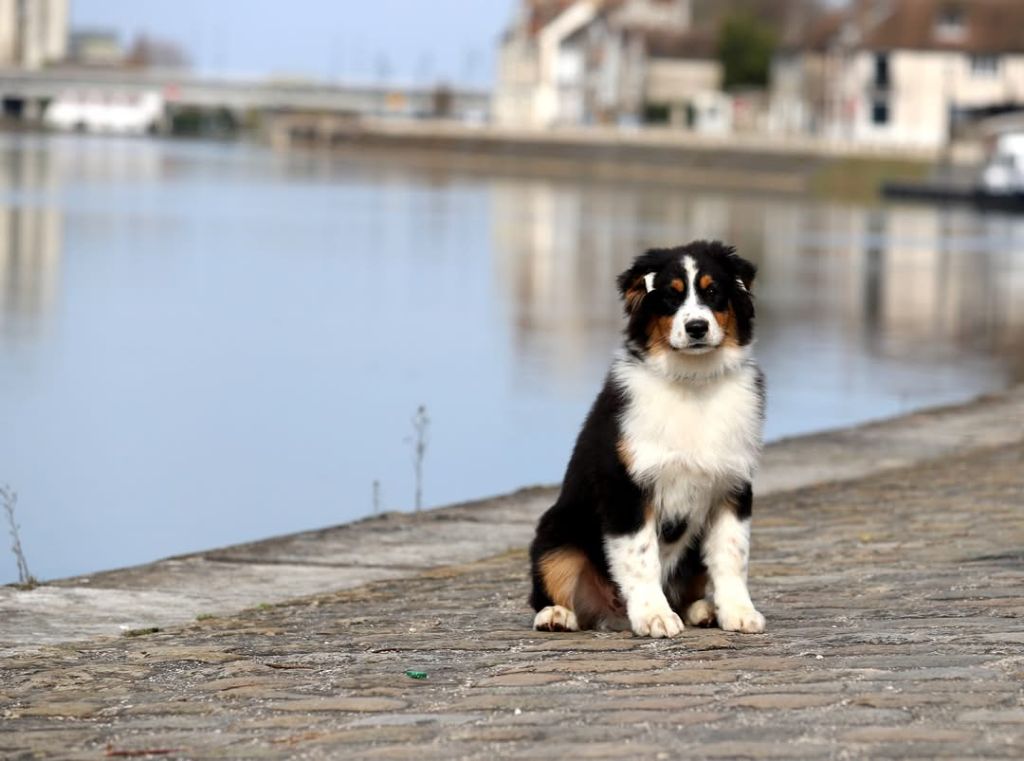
(203, 344)
(30, 243)
(862, 312)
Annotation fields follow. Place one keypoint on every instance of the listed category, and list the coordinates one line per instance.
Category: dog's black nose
(697, 328)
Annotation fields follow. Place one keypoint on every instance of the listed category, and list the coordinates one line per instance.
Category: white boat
(121, 114)
(998, 187)
(1003, 175)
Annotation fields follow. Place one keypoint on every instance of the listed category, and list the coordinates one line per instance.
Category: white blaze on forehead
(694, 309)
(690, 267)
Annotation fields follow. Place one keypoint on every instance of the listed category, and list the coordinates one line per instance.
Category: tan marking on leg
(560, 570)
(575, 586)
(597, 602)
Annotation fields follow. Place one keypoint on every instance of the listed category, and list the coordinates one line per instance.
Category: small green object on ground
(142, 632)
(415, 674)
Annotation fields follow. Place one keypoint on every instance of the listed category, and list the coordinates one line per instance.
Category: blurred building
(607, 62)
(33, 33)
(96, 47)
(900, 71)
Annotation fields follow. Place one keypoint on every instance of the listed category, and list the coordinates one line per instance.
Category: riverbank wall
(657, 156)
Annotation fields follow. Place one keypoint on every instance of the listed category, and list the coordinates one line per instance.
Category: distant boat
(125, 114)
(1000, 185)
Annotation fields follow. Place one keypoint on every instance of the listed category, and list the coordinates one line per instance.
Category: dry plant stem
(9, 497)
(421, 428)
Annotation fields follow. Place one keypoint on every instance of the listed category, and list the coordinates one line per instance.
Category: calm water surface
(202, 344)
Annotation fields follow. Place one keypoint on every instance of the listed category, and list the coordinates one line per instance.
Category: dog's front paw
(740, 619)
(659, 623)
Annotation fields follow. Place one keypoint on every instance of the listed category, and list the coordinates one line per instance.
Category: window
(657, 113)
(880, 112)
(949, 24)
(984, 65)
(882, 70)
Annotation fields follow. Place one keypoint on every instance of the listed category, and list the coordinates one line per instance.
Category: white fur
(698, 438)
(554, 617)
(635, 566)
(726, 552)
(694, 309)
(693, 436)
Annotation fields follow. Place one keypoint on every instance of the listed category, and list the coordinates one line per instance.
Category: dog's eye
(711, 291)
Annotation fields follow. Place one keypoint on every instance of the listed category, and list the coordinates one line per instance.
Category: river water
(206, 343)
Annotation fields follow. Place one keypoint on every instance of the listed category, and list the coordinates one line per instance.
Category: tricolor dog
(652, 526)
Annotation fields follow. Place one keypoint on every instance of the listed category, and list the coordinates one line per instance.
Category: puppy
(652, 526)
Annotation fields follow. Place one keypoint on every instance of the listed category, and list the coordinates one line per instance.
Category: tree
(745, 48)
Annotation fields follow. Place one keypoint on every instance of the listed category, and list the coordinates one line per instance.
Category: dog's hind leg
(597, 602)
(556, 575)
(555, 618)
(570, 594)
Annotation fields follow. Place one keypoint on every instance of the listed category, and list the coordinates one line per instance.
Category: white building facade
(903, 72)
(603, 62)
(33, 33)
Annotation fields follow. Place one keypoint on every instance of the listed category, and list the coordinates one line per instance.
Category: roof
(817, 34)
(970, 26)
(540, 13)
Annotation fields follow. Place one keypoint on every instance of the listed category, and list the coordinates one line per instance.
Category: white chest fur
(690, 442)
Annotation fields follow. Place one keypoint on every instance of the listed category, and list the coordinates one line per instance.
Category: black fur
(672, 531)
(744, 501)
(599, 497)
(596, 486)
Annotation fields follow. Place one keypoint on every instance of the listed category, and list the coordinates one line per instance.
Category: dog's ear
(742, 299)
(635, 283)
(738, 267)
(744, 271)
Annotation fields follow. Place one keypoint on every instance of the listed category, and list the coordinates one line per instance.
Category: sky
(414, 41)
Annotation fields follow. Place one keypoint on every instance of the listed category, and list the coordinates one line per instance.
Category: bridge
(24, 93)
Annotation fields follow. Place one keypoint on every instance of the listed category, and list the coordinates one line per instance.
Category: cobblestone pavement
(894, 608)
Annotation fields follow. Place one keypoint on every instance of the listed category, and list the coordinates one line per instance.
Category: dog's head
(687, 302)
